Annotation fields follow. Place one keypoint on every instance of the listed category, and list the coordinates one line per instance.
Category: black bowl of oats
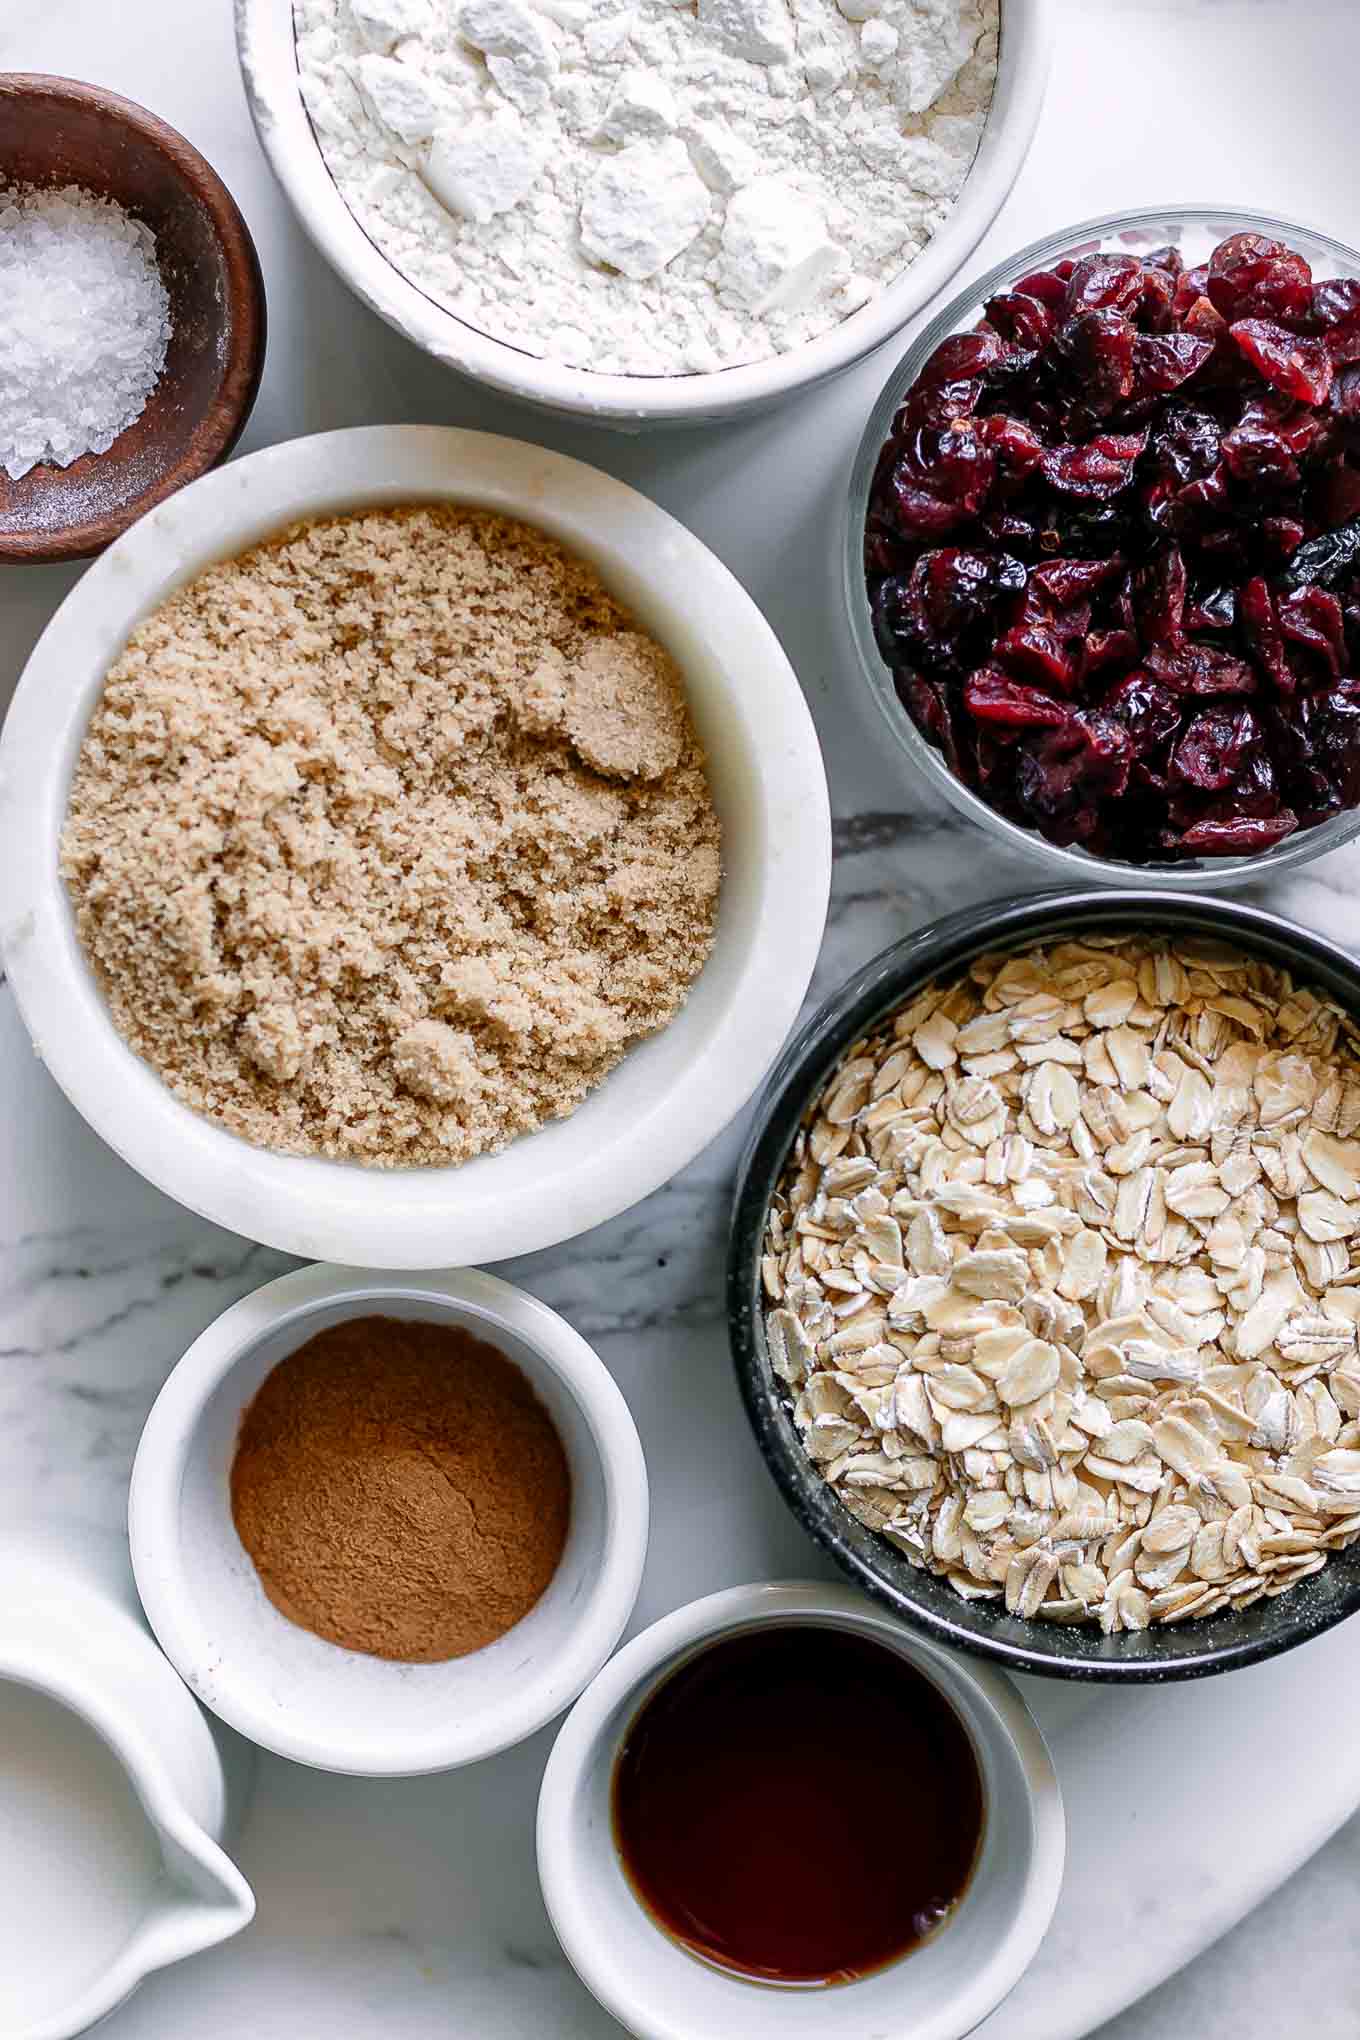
(1044, 1284)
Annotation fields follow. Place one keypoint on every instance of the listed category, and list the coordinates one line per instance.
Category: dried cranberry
(1066, 582)
(1035, 651)
(1051, 622)
(1190, 285)
(1090, 530)
(1007, 528)
(939, 404)
(1153, 312)
(884, 553)
(1205, 323)
(1200, 669)
(1169, 259)
(1096, 350)
(993, 697)
(1267, 441)
(955, 587)
(1261, 627)
(1333, 439)
(1062, 778)
(1186, 443)
(1022, 320)
(1254, 795)
(962, 460)
(1255, 790)
(1344, 402)
(1312, 617)
(1336, 301)
(1239, 837)
(1101, 282)
(951, 383)
(963, 587)
(894, 618)
(1097, 470)
(923, 510)
(1329, 728)
(1109, 648)
(1336, 498)
(1017, 446)
(944, 603)
(962, 357)
(1212, 609)
(941, 479)
(1046, 286)
(1281, 538)
(1300, 367)
(927, 703)
(1328, 559)
(1251, 277)
(1336, 310)
(1205, 510)
(1208, 753)
(1163, 361)
(1149, 712)
(1161, 586)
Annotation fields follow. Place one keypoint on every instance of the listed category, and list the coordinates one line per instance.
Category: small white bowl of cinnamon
(388, 1527)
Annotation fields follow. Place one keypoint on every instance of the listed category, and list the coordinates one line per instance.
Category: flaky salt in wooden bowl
(56, 132)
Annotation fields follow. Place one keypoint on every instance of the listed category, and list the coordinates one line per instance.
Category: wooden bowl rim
(244, 316)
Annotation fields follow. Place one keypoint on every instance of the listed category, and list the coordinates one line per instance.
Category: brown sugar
(387, 839)
(401, 1490)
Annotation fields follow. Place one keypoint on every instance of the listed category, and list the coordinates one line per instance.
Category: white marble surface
(409, 1910)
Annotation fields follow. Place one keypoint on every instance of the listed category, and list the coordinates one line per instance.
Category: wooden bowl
(55, 131)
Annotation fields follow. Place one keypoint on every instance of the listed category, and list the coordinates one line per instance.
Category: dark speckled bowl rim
(1223, 1642)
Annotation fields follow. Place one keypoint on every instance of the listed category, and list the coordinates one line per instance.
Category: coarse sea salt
(84, 324)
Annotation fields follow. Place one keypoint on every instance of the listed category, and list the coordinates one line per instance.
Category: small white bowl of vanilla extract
(780, 1814)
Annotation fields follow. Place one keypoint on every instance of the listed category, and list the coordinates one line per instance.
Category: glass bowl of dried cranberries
(1103, 548)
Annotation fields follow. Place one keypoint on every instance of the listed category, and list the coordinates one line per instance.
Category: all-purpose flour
(643, 187)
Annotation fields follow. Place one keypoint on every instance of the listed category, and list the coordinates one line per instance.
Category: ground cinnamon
(401, 1489)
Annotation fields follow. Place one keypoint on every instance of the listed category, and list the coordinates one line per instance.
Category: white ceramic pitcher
(115, 1793)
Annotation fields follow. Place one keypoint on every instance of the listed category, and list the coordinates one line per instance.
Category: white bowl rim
(346, 1212)
(264, 35)
(158, 1471)
(614, 1983)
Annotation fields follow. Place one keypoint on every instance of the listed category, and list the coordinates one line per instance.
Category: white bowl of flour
(656, 212)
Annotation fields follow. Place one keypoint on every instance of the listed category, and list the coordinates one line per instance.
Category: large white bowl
(657, 1990)
(265, 40)
(670, 1095)
(307, 1699)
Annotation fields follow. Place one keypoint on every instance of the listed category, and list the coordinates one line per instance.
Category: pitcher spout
(109, 1854)
(204, 1899)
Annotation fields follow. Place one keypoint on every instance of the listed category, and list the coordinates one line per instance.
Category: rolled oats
(1063, 1281)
